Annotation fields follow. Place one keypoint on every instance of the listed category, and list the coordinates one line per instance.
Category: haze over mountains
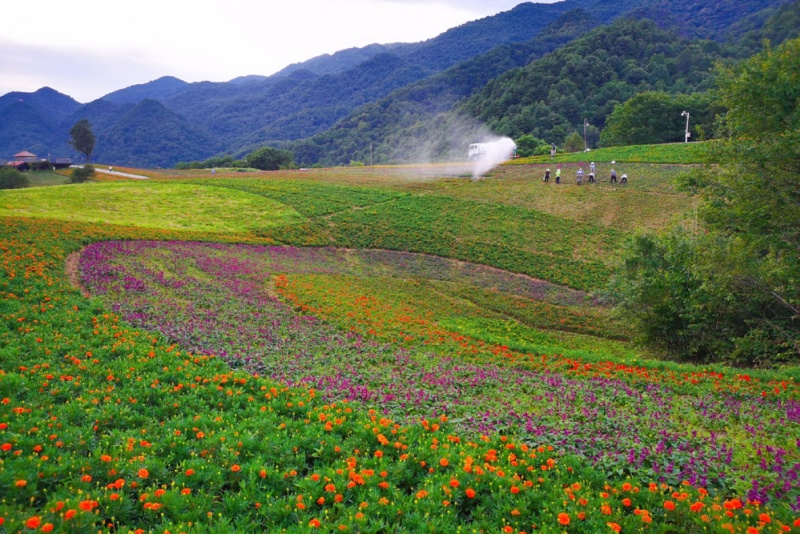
(538, 68)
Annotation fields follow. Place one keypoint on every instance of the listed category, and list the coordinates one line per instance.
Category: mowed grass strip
(151, 205)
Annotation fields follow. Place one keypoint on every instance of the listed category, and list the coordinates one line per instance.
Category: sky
(89, 48)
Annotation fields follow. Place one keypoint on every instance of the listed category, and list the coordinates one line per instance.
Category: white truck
(477, 151)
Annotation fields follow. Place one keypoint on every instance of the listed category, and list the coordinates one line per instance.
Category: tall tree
(733, 292)
(82, 138)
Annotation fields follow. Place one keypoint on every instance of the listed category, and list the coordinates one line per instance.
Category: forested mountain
(382, 99)
(149, 135)
(396, 124)
(30, 121)
(157, 89)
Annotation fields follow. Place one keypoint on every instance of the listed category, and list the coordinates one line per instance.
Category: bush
(81, 174)
(12, 179)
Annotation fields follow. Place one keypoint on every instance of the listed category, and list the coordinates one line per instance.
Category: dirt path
(71, 267)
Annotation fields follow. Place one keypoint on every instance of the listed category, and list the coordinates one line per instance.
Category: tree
(82, 138)
(734, 292)
(12, 179)
(269, 159)
(81, 174)
(574, 143)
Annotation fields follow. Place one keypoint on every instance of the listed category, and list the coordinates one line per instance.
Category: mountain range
(537, 68)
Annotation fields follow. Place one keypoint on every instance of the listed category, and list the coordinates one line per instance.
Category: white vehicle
(477, 151)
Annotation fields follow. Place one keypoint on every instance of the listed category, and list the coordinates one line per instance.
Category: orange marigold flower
(114, 496)
(47, 527)
(514, 490)
(696, 507)
(21, 483)
(235, 468)
(359, 516)
(186, 491)
(508, 528)
(669, 505)
(421, 494)
(314, 523)
(764, 518)
(444, 462)
(454, 483)
(752, 530)
(33, 522)
(605, 509)
(626, 487)
(470, 493)
(189, 472)
(143, 473)
(626, 502)
(69, 514)
(614, 526)
(87, 505)
(86, 478)
(563, 519)
(105, 458)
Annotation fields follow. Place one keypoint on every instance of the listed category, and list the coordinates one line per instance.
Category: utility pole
(688, 135)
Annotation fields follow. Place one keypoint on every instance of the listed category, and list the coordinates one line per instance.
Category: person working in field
(546, 178)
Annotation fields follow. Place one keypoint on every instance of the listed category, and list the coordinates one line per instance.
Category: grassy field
(150, 205)
(672, 153)
(366, 350)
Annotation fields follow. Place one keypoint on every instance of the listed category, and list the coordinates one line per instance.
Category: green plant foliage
(82, 174)
(587, 78)
(82, 138)
(269, 159)
(12, 179)
(733, 294)
(655, 117)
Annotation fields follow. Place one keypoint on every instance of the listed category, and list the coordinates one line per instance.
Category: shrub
(12, 179)
(81, 174)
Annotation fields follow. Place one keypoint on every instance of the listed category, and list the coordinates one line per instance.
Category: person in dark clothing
(613, 176)
(546, 178)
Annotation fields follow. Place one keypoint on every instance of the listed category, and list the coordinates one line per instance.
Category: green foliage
(82, 138)
(81, 174)
(528, 145)
(211, 163)
(683, 153)
(587, 78)
(12, 179)
(574, 143)
(734, 294)
(655, 117)
(269, 159)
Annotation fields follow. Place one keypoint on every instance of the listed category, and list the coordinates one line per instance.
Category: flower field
(217, 382)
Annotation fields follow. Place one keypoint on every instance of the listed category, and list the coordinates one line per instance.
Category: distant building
(25, 157)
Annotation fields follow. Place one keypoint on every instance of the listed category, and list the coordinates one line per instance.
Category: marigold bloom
(235, 468)
(314, 523)
(764, 518)
(69, 514)
(86, 478)
(669, 505)
(614, 526)
(105, 458)
(33, 522)
(21, 483)
(454, 483)
(143, 473)
(514, 490)
(47, 527)
(444, 462)
(186, 491)
(563, 519)
(626, 502)
(470, 493)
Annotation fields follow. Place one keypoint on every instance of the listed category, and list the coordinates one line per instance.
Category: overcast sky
(89, 48)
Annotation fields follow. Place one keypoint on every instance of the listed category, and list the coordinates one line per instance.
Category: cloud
(84, 75)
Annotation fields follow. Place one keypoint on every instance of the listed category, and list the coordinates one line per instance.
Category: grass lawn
(172, 206)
